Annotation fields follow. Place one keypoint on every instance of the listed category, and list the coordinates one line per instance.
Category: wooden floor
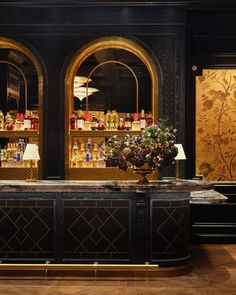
(213, 273)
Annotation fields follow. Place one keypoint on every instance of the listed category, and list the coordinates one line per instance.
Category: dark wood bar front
(104, 222)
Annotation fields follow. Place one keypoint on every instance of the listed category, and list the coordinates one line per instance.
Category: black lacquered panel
(169, 228)
(26, 229)
(97, 230)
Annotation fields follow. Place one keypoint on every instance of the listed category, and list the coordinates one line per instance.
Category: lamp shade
(31, 152)
(181, 154)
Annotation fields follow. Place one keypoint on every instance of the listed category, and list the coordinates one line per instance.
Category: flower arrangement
(154, 145)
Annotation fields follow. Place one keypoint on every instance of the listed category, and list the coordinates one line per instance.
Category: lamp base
(31, 180)
(177, 179)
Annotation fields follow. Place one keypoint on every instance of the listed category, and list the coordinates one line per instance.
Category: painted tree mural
(216, 125)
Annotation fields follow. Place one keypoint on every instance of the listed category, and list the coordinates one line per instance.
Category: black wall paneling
(179, 34)
(55, 30)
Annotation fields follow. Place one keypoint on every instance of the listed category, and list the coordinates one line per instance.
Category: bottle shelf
(101, 133)
(18, 134)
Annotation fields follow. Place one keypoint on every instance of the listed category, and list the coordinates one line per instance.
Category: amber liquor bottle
(128, 123)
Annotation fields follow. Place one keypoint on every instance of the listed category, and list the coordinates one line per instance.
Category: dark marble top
(167, 185)
(207, 197)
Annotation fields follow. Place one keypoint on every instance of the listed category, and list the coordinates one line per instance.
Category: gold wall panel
(216, 125)
(17, 173)
(110, 173)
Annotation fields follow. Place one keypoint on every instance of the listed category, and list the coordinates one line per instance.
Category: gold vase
(143, 171)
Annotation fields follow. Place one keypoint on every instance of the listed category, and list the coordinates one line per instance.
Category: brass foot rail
(47, 266)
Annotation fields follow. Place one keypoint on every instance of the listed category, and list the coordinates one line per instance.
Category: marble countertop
(207, 197)
(166, 185)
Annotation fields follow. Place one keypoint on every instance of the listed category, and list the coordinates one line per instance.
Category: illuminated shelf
(18, 134)
(101, 133)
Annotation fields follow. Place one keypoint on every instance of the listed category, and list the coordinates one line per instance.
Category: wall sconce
(31, 154)
(180, 156)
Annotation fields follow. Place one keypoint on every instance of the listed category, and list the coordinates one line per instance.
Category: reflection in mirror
(19, 82)
(115, 83)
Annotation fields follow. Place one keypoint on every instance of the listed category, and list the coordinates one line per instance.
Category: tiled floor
(213, 273)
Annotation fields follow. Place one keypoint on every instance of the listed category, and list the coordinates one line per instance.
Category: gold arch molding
(104, 43)
(6, 43)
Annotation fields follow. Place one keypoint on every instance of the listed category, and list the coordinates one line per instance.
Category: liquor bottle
(101, 124)
(10, 159)
(35, 121)
(95, 156)
(128, 123)
(94, 124)
(17, 125)
(8, 117)
(149, 119)
(88, 156)
(22, 121)
(1, 120)
(9, 122)
(73, 122)
(114, 120)
(4, 162)
(1, 156)
(80, 120)
(27, 121)
(18, 158)
(95, 152)
(108, 120)
(74, 154)
(87, 122)
(121, 125)
(101, 162)
(75, 151)
(136, 123)
(142, 120)
(82, 154)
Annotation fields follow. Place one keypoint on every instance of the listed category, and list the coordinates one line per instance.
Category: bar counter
(103, 186)
(96, 221)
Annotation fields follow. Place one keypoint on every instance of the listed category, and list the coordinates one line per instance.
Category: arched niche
(83, 54)
(6, 43)
(105, 43)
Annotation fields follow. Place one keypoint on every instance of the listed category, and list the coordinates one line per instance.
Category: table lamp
(31, 153)
(180, 156)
